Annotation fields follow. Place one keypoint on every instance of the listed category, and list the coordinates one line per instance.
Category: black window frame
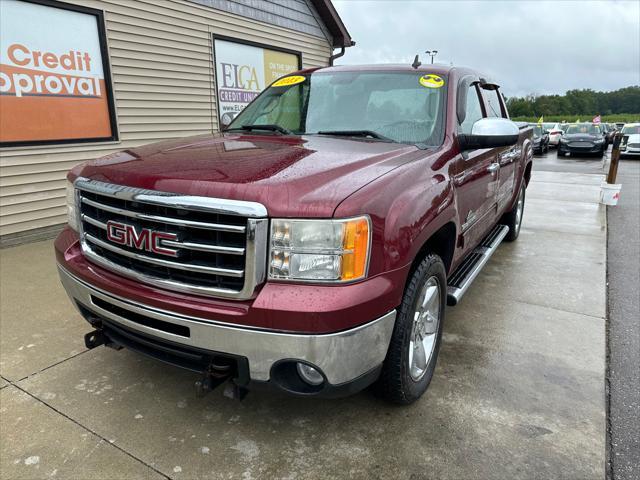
(485, 101)
(106, 69)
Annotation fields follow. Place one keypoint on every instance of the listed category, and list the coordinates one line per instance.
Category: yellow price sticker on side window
(431, 80)
(287, 81)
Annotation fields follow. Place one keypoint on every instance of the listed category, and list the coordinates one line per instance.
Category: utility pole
(431, 53)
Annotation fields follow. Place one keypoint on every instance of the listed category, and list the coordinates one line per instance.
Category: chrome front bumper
(342, 356)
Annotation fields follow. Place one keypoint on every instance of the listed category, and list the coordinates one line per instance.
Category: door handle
(493, 168)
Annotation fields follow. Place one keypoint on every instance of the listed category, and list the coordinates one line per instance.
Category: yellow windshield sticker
(431, 80)
(287, 81)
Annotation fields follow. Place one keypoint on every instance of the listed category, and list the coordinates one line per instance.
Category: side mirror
(490, 133)
(226, 119)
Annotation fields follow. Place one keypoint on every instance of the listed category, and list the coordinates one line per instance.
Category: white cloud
(547, 46)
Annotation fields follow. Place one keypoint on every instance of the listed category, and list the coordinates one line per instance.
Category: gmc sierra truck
(312, 245)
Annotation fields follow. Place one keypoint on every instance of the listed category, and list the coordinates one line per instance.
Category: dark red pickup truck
(313, 245)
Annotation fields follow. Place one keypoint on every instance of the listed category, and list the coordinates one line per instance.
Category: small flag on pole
(541, 119)
(596, 119)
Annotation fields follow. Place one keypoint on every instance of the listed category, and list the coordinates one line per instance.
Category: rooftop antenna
(416, 62)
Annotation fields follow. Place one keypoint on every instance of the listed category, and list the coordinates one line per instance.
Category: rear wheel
(513, 218)
(415, 343)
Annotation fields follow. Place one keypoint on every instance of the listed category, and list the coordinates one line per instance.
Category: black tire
(511, 219)
(395, 383)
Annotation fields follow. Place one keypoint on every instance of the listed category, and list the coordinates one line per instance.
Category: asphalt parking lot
(519, 391)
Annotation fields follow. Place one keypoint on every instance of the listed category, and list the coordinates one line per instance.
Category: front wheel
(415, 343)
(513, 218)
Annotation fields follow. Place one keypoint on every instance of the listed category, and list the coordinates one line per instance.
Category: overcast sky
(538, 47)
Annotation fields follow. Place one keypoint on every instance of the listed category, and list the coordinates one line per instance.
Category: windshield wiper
(357, 133)
(268, 128)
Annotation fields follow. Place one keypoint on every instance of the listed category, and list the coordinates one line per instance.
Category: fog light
(309, 374)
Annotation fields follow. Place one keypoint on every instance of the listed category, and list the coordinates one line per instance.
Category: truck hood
(304, 176)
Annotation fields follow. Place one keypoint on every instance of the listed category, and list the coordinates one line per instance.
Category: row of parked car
(585, 138)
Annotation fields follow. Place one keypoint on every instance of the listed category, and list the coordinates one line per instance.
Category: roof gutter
(332, 58)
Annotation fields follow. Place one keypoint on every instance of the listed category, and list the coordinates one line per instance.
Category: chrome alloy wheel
(520, 208)
(426, 319)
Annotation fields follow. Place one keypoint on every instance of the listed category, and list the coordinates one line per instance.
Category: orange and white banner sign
(52, 84)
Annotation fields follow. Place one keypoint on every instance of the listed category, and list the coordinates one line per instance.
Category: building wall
(163, 83)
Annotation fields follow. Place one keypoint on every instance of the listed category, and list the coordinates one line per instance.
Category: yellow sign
(287, 81)
(431, 80)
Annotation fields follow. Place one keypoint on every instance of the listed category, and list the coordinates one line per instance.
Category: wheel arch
(527, 173)
(442, 243)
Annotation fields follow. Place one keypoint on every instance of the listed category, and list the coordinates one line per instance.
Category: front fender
(406, 208)
(414, 216)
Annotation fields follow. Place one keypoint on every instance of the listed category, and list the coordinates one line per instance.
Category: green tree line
(578, 102)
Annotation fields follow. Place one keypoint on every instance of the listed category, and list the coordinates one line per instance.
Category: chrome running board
(466, 273)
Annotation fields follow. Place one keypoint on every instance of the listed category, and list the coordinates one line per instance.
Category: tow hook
(216, 375)
(235, 392)
(94, 339)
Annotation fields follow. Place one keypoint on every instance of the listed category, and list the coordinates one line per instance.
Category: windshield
(564, 126)
(584, 129)
(395, 106)
(549, 126)
(631, 130)
(537, 131)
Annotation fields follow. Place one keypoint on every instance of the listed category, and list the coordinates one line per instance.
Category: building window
(244, 69)
(54, 76)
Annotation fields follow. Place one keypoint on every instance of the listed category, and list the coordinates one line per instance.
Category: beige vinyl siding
(160, 53)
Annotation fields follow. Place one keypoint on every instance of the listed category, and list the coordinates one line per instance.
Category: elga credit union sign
(52, 75)
(243, 71)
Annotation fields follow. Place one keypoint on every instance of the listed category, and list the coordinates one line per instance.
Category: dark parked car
(582, 138)
(540, 139)
(607, 132)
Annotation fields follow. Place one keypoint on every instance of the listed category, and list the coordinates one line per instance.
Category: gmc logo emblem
(143, 239)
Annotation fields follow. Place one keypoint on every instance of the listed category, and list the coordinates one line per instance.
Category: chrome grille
(220, 245)
(633, 145)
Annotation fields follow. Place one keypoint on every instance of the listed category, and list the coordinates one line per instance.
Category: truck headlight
(72, 212)
(320, 250)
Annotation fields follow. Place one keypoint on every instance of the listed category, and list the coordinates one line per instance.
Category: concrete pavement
(518, 391)
(623, 342)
